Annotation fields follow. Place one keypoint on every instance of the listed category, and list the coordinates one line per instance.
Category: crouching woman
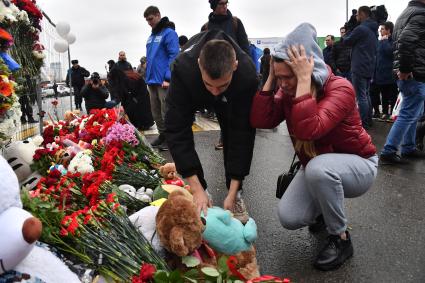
(338, 157)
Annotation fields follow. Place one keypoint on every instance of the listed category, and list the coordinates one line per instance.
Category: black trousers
(388, 92)
(77, 97)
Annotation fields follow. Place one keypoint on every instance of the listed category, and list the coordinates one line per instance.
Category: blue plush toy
(226, 234)
(11, 64)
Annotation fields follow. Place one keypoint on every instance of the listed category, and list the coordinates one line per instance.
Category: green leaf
(209, 271)
(237, 281)
(44, 205)
(193, 274)
(161, 277)
(77, 192)
(222, 264)
(190, 261)
(176, 277)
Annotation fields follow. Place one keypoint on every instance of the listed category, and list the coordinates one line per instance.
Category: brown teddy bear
(179, 227)
(169, 173)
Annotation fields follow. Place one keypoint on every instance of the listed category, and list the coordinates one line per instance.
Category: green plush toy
(226, 234)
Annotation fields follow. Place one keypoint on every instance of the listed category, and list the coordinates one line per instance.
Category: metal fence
(54, 70)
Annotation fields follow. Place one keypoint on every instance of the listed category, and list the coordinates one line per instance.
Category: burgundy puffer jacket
(333, 122)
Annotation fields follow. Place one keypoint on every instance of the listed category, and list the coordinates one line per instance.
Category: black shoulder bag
(285, 178)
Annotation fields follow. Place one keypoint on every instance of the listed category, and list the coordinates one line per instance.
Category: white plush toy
(19, 155)
(144, 220)
(19, 232)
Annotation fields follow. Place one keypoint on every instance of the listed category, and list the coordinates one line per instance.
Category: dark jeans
(362, 86)
(77, 97)
(26, 108)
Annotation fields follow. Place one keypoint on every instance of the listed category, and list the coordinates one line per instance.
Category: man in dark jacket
(341, 55)
(384, 80)
(122, 62)
(77, 81)
(364, 41)
(409, 64)
(221, 18)
(161, 49)
(327, 51)
(94, 93)
(213, 72)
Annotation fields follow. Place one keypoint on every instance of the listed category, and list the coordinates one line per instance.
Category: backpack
(234, 22)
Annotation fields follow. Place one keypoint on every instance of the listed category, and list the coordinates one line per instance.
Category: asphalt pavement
(386, 224)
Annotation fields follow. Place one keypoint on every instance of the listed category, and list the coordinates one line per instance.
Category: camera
(95, 81)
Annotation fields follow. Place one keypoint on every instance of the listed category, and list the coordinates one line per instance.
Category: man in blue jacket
(364, 41)
(162, 48)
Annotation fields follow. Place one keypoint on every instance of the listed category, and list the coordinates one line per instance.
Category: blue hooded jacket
(162, 48)
(364, 40)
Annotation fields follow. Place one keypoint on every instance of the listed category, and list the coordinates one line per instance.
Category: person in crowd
(337, 155)
(341, 56)
(111, 64)
(265, 65)
(77, 75)
(55, 89)
(364, 42)
(221, 18)
(28, 99)
(384, 84)
(141, 69)
(182, 41)
(327, 51)
(122, 62)
(162, 48)
(110, 86)
(94, 93)
(131, 90)
(409, 64)
(213, 72)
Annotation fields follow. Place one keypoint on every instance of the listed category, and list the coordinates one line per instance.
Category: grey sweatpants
(320, 188)
(157, 96)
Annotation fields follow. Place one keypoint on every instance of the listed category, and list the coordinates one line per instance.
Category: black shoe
(414, 154)
(32, 121)
(317, 226)
(334, 253)
(163, 146)
(23, 120)
(391, 159)
(158, 141)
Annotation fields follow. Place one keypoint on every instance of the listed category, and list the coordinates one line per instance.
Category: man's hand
(229, 201)
(165, 84)
(200, 197)
(403, 76)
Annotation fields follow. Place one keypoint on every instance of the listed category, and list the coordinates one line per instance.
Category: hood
(163, 23)
(371, 24)
(219, 18)
(306, 35)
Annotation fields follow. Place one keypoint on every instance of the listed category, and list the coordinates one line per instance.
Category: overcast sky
(103, 28)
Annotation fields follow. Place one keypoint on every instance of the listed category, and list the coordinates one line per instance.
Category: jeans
(320, 188)
(362, 86)
(403, 131)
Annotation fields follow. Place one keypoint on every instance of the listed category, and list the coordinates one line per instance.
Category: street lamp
(62, 45)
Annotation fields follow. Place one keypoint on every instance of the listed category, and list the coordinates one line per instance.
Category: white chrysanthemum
(23, 16)
(37, 140)
(81, 163)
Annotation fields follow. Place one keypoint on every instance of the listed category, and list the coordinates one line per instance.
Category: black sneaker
(416, 154)
(391, 159)
(334, 253)
(317, 226)
(158, 141)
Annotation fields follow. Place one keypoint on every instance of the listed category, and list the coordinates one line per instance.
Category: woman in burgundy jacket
(338, 157)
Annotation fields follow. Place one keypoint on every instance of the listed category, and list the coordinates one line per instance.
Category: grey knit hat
(306, 35)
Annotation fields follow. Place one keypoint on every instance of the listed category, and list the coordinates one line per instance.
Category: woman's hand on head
(301, 65)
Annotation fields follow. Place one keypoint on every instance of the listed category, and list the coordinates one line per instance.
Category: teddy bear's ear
(177, 242)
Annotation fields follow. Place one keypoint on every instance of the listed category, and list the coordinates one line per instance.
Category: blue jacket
(162, 48)
(384, 62)
(364, 40)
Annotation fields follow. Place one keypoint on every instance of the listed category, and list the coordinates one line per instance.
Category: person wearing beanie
(76, 77)
(337, 155)
(221, 18)
(94, 93)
